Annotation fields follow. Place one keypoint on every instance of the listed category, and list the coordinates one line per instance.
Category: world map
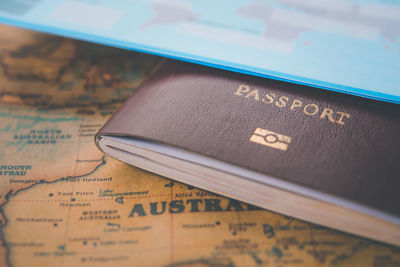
(63, 203)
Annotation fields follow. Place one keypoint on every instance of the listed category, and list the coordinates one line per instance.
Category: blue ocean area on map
(347, 46)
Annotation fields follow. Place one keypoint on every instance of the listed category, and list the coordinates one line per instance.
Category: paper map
(63, 203)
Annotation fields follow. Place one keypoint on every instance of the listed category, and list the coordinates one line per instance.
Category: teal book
(346, 46)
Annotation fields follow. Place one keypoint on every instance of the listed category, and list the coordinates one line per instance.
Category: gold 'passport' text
(310, 109)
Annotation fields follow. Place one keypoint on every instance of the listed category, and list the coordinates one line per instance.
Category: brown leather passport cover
(342, 145)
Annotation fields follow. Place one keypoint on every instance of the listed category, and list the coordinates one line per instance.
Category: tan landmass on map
(62, 203)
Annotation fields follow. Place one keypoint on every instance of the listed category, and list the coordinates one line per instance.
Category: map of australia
(63, 203)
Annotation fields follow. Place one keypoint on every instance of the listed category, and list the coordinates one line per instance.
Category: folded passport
(320, 156)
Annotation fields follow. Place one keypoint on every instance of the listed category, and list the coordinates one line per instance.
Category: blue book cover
(347, 46)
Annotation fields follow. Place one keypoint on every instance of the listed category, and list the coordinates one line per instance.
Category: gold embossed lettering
(326, 112)
(242, 89)
(342, 115)
(254, 94)
(269, 98)
(282, 101)
(314, 108)
(295, 104)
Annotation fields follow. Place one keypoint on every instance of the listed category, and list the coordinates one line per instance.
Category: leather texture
(195, 108)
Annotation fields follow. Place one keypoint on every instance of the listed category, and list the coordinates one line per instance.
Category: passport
(320, 156)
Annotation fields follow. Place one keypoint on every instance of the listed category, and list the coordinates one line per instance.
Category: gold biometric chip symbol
(270, 139)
